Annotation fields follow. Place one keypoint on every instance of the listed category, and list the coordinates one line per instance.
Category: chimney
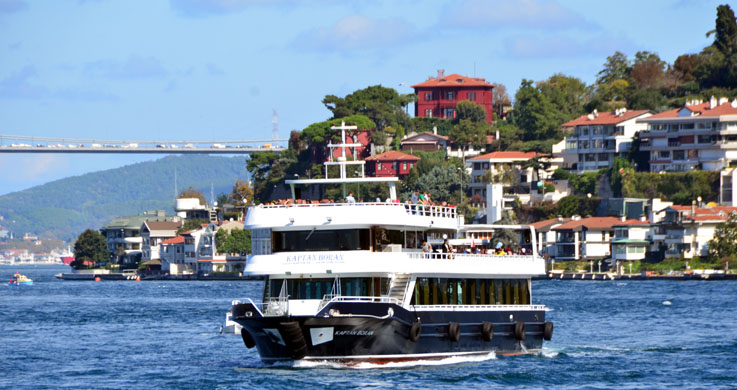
(575, 217)
(441, 73)
(643, 218)
(596, 113)
(623, 218)
(734, 103)
(723, 100)
(712, 102)
(560, 218)
(435, 130)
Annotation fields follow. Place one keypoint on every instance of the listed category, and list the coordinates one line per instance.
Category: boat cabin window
(446, 291)
(318, 288)
(321, 240)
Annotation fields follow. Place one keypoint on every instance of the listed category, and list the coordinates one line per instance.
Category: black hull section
(382, 332)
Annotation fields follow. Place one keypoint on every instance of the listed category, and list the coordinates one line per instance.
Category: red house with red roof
(437, 97)
(390, 164)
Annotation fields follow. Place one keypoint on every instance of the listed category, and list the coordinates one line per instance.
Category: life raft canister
(291, 332)
(519, 331)
(414, 331)
(454, 331)
(487, 331)
(548, 331)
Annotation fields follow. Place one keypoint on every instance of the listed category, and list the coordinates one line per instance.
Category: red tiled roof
(604, 118)
(700, 110)
(523, 156)
(590, 223)
(175, 240)
(393, 155)
(454, 80)
(632, 222)
(548, 222)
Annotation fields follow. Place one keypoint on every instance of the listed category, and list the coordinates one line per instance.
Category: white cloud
(522, 14)
(561, 46)
(357, 32)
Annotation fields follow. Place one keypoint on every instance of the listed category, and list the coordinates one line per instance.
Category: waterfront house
(173, 257)
(546, 235)
(600, 137)
(152, 234)
(688, 229)
(437, 96)
(631, 241)
(698, 135)
(123, 235)
(585, 238)
(425, 142)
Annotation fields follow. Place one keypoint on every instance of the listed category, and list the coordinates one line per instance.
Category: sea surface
(165, 335)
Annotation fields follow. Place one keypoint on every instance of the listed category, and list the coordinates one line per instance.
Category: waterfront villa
(124, 233)
(152, 234)
(437, 97)
(546, 235)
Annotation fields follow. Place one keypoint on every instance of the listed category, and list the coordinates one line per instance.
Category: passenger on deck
(350, 198)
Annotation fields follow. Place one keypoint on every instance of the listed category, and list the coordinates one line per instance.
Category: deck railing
(467, 256)
(411, 209)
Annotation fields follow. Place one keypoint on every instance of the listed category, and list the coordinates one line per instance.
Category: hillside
(64, 208)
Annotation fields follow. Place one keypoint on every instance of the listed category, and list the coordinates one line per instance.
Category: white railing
(478, 307)
(340, 298)
(274, 307)
(468, 256)
(412, 209)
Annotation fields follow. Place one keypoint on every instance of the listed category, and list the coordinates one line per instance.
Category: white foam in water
(667, 303)
(413, 363)
(548, 353)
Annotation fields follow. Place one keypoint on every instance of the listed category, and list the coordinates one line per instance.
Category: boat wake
(407, 364)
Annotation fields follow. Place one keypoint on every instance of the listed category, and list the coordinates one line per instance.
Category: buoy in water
(97, 279)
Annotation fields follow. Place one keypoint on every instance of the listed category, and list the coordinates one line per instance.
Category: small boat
(20, 280)
(230, 325)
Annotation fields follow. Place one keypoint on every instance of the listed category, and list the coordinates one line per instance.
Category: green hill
(64, 208)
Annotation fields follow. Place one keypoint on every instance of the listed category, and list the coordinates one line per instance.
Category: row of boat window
(447, 291)
(318, 288)
(321, 240)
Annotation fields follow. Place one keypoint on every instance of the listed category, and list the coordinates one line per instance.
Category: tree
(467, 132)
(724, 243)
(221, 241)
(567, 94)
(725, 39)
(239, 242)
(648, 70)
(534, 114)
(242, 193)
(90, 247)
(192, 193)
(384, 106)
(441, 182)
(616, 67)
(468, 110)
(222, 199)
(508, 237)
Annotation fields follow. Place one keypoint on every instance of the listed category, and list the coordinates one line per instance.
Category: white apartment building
(499, 163)
(585, 238)
(152, 234)
(631, 240)
(546, 235)
(688, 229)
(699, 135)
(600, 137)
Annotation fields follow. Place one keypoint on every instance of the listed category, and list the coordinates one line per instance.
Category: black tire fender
(519, 331)
(548, 331)
(414, 331)
(454, 331)
(247, 339)
(487, 331)
(291, 332)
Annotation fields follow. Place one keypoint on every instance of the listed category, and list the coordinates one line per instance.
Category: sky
(215, 69)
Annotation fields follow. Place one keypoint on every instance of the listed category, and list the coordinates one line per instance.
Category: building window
(404, 166)
(450, 95)
(449, 113)
(472, 96)
(395, 166)
(378, 166)
(428, 113)
(428, 96)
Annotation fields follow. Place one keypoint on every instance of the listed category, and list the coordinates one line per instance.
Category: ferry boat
(349, 282)
(20, 280)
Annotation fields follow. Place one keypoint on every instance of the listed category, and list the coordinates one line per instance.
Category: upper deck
(351, 215)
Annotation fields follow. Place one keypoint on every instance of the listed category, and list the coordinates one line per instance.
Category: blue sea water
(161, 335)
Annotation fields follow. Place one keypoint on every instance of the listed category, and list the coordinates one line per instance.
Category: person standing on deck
(350, 198)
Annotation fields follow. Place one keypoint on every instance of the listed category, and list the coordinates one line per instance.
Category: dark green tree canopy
(384, 106)
(90, 247)
(616, 67)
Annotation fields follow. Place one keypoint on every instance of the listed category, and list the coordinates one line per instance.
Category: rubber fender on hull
(454, 331)
(247, 339)
(519, 331)
(487, 331)
(548, 331)
(414, 331)
(294, 339)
